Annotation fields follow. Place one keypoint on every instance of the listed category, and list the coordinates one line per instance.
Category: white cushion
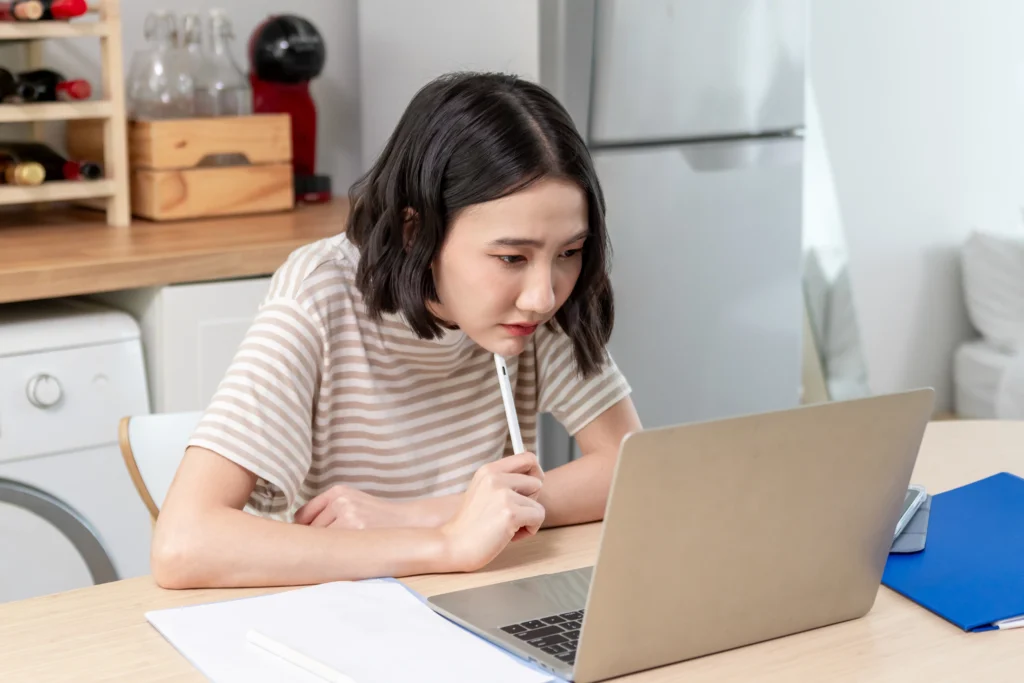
(847, 373)
(993, 280)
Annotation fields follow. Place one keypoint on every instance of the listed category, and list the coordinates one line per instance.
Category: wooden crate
(200, 167)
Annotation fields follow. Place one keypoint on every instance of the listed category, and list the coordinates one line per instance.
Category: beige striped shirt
(319, 394)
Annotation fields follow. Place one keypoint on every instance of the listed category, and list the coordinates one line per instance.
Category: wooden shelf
(67, 251)
(37, 30)
(57, 191)
(55, 111)
(113, 192)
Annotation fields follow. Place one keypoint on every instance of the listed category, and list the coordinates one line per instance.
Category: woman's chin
(502, 344)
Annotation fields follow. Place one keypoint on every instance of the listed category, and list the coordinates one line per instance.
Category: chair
(152, 447)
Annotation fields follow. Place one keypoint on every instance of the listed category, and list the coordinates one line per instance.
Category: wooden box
(193, 168)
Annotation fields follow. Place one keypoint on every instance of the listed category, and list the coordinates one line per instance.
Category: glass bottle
(194, 55)
(161, 86)
(224, 89)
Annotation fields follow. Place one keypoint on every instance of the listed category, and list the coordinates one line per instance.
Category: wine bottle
(8, 84)
(22, 10)
(42, 10)
(14, 91)
(15, 172)
(64, 9)
(51, 86)
(57, 167)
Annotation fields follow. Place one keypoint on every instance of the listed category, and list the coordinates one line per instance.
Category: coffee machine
(286, 52)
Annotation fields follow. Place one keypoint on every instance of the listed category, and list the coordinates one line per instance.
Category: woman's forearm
(224, 547)
(572, 494)
(577, 491)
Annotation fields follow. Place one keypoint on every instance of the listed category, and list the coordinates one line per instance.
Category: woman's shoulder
(315, 274)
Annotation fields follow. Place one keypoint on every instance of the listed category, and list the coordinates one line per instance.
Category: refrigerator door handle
(712, 157)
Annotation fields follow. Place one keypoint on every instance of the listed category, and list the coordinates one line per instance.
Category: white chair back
(153, 446)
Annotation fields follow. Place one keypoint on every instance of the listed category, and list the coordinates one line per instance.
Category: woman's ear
(410, 223)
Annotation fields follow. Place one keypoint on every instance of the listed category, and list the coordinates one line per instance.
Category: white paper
(371, 631)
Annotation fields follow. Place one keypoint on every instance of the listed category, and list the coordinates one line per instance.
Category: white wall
(921, 117)
(397, 58)
(336, 92)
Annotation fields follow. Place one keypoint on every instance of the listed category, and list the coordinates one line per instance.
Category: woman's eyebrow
(537, 244)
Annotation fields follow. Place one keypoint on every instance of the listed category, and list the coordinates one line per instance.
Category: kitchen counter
(65, 252)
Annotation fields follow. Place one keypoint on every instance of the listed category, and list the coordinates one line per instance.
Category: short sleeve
(573, 400)
(261, 415)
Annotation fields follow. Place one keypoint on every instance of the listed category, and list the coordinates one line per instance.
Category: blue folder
(971, 571)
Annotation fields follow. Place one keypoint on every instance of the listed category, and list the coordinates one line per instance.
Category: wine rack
(103, 20)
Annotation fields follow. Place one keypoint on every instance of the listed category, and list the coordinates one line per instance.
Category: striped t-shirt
(320, 394)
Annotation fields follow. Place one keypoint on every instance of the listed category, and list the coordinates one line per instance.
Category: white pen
(510, 405)
(298, 659)
(1006, 624)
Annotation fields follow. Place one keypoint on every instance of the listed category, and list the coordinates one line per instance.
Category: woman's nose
(539, 294)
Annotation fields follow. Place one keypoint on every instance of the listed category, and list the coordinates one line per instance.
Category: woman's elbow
(175, 558)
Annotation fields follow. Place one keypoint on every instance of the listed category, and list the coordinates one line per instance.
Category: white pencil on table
(510, 404)
(295, 658)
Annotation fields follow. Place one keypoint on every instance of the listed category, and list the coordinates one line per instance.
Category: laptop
(717, 535)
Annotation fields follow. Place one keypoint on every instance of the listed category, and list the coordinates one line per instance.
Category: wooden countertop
(63, 252)
(101, 633)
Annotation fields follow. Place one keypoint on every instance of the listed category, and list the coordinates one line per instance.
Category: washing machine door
(66, 551)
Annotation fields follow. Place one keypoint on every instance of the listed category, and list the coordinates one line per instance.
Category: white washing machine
(69, 513)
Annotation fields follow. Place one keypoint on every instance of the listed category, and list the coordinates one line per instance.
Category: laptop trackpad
(514, 601)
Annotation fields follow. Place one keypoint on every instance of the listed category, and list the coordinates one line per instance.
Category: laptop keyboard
(557, 635)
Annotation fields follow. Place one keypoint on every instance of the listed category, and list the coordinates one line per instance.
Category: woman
(361, 419)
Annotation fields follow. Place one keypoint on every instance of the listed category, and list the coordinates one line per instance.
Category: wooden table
(100, 633)
(46, 254)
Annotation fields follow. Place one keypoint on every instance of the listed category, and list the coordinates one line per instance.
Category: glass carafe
(194, 55)
(222, 88)
(161, 86)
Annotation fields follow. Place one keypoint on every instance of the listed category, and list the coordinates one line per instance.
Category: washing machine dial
(44, 391)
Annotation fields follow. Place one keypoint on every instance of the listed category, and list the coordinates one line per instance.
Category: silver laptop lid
(731, 532)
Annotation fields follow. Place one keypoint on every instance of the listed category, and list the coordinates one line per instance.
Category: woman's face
(508, 265)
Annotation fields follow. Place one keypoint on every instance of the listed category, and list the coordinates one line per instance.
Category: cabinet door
(202, 327)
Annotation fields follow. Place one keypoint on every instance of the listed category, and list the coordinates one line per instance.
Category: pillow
(816, 287)
(846, 371)
(993, 282)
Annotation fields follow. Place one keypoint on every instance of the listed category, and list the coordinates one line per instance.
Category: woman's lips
(520, 330)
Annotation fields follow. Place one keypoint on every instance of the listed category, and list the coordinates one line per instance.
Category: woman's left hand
(348, 508)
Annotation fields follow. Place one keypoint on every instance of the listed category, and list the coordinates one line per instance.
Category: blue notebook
(971, 571)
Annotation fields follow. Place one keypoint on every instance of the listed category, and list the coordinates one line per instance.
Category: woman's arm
(577, 491)
(203, 538)
(573, 493)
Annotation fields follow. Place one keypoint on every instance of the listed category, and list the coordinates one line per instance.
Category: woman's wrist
(438, 551)
(431, 513)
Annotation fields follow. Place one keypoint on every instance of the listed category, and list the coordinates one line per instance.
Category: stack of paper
(365, 631)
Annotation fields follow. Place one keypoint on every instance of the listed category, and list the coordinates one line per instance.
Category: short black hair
(464, 139)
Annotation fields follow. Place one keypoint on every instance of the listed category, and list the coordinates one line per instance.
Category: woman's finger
(523, 463)
(520, 483)
(326, 517)
(311, 510)
(530, 516)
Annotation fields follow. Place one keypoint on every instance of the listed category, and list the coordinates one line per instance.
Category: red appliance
(286, 52)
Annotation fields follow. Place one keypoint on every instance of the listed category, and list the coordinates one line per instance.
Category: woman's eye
(511, 260)
(569, 253)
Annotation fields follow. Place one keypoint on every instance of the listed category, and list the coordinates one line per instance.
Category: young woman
(360, 430)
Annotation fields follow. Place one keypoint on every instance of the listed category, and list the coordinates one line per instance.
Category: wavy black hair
(464, 139)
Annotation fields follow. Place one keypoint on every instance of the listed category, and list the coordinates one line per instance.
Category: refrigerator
(693, 111)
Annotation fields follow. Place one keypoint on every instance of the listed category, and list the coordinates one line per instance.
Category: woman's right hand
(500, 501)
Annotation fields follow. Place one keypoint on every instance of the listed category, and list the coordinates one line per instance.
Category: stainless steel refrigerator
(693, 110)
